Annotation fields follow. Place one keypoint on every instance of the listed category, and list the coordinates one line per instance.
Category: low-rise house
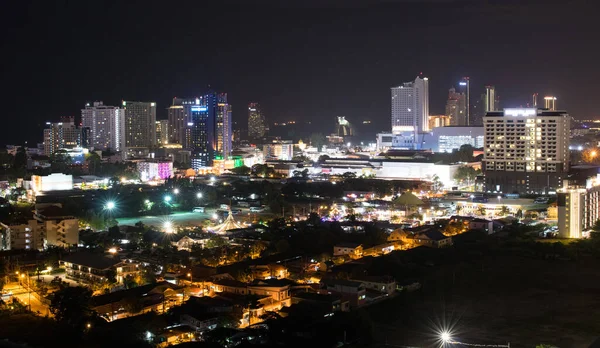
(432, 238)
(399, 235)
(231, 286)
(93, 268)
(482, 224)
(354, 250)
(135, 301)
(186, 243)
(278, 289)
(351, 291)
(334, 302)
(383, 284)
(269, 271)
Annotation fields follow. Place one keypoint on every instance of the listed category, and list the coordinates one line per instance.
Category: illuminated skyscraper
(465, 83)
(456, 108)
(140, 124)
(223, 133)
(257, 126)
(526, 150)
(179, 115)
(202, 135)
(62, 135)
(106, 124)
(410, 106)
(490, 98)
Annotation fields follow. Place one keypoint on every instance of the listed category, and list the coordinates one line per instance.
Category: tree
(243, 170)
(215, 242)
(318, 140)
(282, 246)
(323, 158)
(94, 162)
(436, 183)
(465, 173)
(453, 228)
(481, 210)
(504, 211)
(349, 175)
(596, 227)
(71, 305)
(21, 158)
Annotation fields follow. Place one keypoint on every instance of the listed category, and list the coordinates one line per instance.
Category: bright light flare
(167, 199)
(445, 337)
(110, 205)
(168, 226)
(176, 191)
(199, 195)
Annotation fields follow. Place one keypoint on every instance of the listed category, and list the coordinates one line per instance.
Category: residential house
(354, 250)
(432, 238)
(90, 267)
(383, 284)
(135, 301)
(269, 271)
(333, 302)
(351, 291)
(278, 289)
(186, 243)
(482, 224)
(231, 286)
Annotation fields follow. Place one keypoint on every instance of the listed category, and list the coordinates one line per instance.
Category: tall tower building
(465, 84)
(179, 115)
(162, 132)
(223, 133)
(490, 98)
(410, 106)
(456, 108)
(202, 135)
(106, 124)
(257, 126)
(140, 124)
(526, 150)
(61, 135)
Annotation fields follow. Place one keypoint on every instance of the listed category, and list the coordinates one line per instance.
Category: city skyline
(309, 75)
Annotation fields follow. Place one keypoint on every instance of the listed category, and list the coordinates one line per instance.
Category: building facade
(23, 235)
(223, 133)
(201, 136)
(456, 108)
(526, 150)
(281, 150)
(257, 125)
(448, 139)
(61, 135)
(106, 124)
(140, 124)
(179, 115)
(155, 170)
(410, 106)
(578, 208)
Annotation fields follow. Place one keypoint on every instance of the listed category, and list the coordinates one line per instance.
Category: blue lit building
(202, 134)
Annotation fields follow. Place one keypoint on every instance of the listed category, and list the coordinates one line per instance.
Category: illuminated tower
(257, 126)
(466, 84)
(410, 106)
(550, 103)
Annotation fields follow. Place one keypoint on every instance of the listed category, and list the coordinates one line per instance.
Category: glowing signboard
(520, 112)
(199, 108)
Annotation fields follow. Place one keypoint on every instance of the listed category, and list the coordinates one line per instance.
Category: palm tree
(504, 211)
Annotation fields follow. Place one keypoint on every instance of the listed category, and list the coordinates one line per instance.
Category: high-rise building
(179, 115)
(140, 124)
(223, 133)
(526, 150)
(456, 108)
(202, 135)
(106, 124)
(490, 99)
(410, 106)
(61, 135)
(162, 132)
(465, 84)
(257, 125)
(578, 208)
(550, 103)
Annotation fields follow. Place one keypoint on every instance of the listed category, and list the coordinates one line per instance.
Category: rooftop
(88, 259)
(348, 245)
(136, 292)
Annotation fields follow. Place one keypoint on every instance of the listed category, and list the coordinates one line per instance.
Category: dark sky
(303, 60)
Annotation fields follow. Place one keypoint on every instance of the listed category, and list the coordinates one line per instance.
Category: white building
(106, 124)
(24, 235)
(52, 182)
(155, 170)
(281, 150)
(62, 230)
(526, 150)
(450, 138)
(578, 208)
(410, 106)
(140, 124)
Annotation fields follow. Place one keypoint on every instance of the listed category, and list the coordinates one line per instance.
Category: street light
(168, 226)
(176, 191)
(199, 194)
(445, 337)
(167, 199)
(110, 205)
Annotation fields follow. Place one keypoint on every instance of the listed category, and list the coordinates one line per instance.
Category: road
(20, 293)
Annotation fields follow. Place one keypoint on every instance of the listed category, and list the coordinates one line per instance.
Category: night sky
(305, 60)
